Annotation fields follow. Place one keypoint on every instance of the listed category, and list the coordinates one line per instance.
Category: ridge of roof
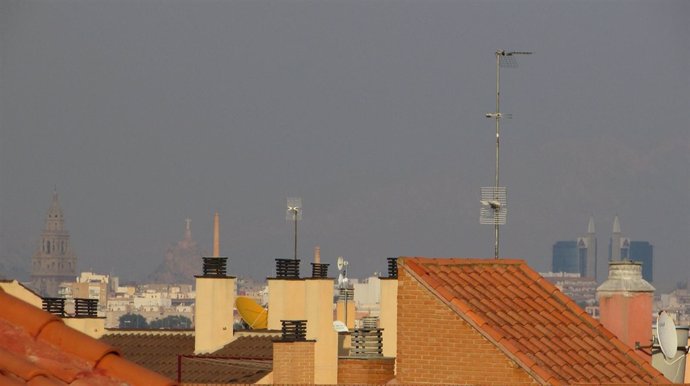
(529, 320)
(39, 344)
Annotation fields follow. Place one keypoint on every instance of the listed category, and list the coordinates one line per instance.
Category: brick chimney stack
(625, 304)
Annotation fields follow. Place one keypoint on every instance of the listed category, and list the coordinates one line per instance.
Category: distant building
(577, 256)
(641, 251)
(88, 285)
(54, 261)
(566, 258)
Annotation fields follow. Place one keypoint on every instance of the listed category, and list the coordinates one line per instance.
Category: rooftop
(531, 321)
(38, 348)
(247, 359)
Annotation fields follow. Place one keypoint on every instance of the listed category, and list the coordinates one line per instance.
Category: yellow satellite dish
(252, 313)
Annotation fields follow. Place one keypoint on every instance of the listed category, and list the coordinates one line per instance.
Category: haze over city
(142, 114)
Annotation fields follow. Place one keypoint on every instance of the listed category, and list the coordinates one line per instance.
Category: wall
(365, 370)
(388, 319)
(436, 346)
(293, 362)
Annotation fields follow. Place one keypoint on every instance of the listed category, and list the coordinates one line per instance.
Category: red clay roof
(37, 348)
(531, 321)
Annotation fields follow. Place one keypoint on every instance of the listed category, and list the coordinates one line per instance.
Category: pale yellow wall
(267, 380)
(340, 313)
(319, 315)
(388, 319)
(285, 301)
(213, 313)
(93, 327)
(17, 290)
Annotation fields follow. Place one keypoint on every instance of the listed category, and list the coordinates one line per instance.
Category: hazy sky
(146, 112)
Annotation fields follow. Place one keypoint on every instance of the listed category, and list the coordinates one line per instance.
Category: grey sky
(145, 112)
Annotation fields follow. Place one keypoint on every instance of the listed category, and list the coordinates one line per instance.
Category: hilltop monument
(181, 261)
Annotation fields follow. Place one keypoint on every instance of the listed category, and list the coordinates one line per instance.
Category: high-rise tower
(54, 261)
(587, 246)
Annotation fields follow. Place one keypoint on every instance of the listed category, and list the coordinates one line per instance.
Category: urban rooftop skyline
(143, 114)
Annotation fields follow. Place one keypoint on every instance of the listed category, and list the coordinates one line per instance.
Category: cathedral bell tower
(54, 261)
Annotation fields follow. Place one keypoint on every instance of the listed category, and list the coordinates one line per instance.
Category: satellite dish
(666, 335)
(339, 326)
(342, 280)
(252, 313)
(341, 262)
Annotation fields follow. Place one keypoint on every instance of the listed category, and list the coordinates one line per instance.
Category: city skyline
(145, 114)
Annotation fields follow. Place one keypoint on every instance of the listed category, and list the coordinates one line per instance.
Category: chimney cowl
(625, 276)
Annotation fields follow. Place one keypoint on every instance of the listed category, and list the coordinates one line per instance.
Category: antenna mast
(494, 207)
(294, 213)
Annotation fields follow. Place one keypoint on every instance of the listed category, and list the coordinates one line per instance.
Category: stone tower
(54, 261)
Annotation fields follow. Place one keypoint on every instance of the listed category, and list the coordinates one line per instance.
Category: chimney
(84, 319)
(293, 354)
(318, 269)
(625, 304)
(215, 300)
(292, 298)
(319, 315)
(388, 319)
(216, 235)
(286, 294)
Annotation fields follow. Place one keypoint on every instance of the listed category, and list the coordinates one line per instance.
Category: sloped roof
(247, 359)
(531, 321)
(38, 348)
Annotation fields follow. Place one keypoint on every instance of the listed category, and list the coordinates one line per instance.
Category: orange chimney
(625, 304)
(317, 254)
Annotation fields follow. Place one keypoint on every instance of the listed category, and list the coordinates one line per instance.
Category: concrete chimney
(286, 294)
(388, 319)
(317, 254)
(216, 235)
(215, 301)
(311, 300)
(319, 312)
(213, 310)
(625, 304)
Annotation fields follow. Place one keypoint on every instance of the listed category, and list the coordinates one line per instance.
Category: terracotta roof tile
(531, 321)
(37, 348)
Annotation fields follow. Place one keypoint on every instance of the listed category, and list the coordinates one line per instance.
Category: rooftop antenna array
(294, 213)
(343, 286)
(493, 199)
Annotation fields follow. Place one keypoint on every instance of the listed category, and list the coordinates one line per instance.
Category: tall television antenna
(493, 199)
(294, 213)
(343, 282)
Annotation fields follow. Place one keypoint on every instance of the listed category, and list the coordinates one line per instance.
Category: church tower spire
(54, 261)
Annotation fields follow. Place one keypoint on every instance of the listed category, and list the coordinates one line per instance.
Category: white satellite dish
(341, 262)
(666, 335)
(339, 326)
